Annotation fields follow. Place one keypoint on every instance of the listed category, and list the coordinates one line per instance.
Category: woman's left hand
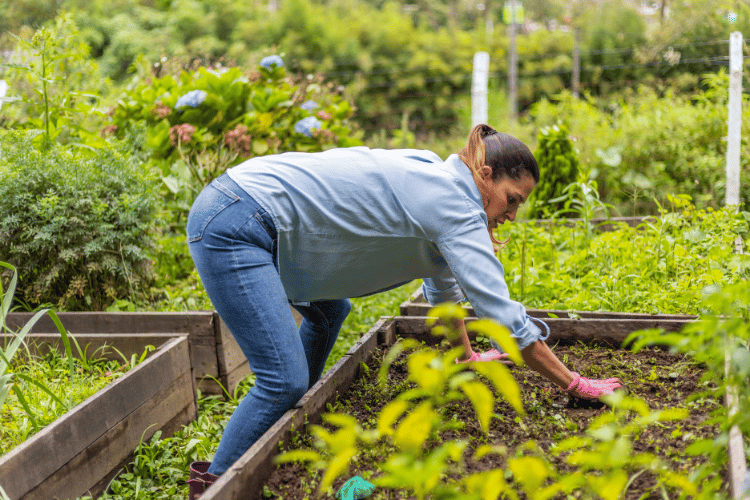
(491, 355)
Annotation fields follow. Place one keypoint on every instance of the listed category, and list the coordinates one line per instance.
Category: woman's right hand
(585, 388)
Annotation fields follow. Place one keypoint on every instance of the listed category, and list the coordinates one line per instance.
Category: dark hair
(505, 154)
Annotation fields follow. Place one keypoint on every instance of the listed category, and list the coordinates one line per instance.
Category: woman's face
(505, 196)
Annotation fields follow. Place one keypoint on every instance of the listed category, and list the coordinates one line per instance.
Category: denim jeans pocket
(210, 202)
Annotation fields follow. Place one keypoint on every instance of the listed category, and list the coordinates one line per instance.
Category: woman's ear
(486, 172)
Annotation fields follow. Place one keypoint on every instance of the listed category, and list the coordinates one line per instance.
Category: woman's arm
(541, 359)
(463, 339)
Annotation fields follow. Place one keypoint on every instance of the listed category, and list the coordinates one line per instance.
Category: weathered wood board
(215, 356)
(417, 306)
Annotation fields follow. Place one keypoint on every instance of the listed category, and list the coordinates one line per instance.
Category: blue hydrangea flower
(193, 99)
(306, 126)
(267, 61)
(309, 105)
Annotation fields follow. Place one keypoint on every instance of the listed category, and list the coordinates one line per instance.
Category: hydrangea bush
(250, 113)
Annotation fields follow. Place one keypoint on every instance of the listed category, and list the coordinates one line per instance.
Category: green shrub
(75, 222)
(247, 113)
(661, 267)
(558, 168)
(651, 144)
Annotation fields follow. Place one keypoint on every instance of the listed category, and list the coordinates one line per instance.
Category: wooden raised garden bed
(79, 452)
(214, 354)
(246, 478)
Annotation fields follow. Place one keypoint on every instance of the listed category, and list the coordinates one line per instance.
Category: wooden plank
(599, 223)
(29, 464)
(229, 356)
(230, 380)
(116, 345)
(340, 376)
(604, 331)
(203, 361)
(194, 323)
(387, 332)
(84, 472)
(416, 306)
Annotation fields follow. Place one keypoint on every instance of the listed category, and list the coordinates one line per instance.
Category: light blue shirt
(355, 221)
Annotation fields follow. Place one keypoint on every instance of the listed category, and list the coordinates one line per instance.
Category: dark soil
(662, 379)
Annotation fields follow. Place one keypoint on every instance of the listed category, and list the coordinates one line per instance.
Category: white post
(3, 91)
(479, 88)
(735, 119)
(735, 449)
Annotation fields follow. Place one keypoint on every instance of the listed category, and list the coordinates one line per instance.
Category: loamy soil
(662, 379)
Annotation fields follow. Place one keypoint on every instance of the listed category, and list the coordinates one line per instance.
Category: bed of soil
(662, 379)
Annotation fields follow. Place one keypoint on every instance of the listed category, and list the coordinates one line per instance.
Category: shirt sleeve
(481, 276)
(442, 288)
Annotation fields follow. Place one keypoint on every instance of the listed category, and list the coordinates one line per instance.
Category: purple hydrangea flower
(309, 105)
(267, 61)
(193, 99)
(306, 126)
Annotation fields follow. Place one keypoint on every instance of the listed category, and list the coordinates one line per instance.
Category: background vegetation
(119, 112)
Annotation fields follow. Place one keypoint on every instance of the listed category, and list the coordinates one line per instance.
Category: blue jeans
(233, 241)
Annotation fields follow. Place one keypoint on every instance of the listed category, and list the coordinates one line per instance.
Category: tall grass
(9, 379)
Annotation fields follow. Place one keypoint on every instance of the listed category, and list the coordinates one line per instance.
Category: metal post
(479, 88)
(512, 63)
(735, 119)
(576, 61)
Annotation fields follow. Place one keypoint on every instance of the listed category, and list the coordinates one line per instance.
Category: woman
(313, 229)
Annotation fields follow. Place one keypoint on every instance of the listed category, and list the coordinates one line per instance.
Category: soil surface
(662, 379)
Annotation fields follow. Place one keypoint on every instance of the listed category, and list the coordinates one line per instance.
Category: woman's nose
(512, 215)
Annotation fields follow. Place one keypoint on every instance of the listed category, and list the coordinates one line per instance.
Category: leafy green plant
(558, 169)
(720, 339)
(55, 87)
(74, 222)
(414, 419)
(407, 446)
(91, 372)
(212, 119)
(651, 142)
(9, 378)
(159, 467)
(661, 266)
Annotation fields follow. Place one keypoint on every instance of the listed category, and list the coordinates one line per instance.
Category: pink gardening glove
(585, 388)
(491, 355)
